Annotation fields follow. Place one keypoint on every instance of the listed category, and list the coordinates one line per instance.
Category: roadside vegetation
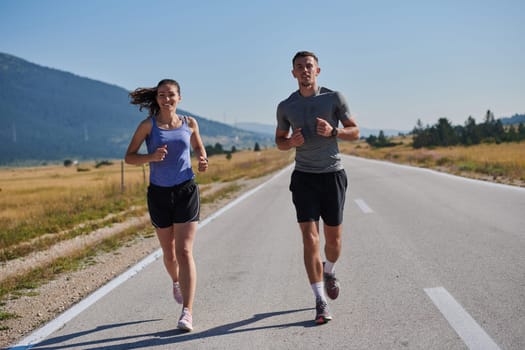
(42, 206)
(503, 163)
(490, 150)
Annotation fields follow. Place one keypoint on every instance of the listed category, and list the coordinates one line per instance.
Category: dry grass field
(47, 204)
(43, 205)
(504, 163)
(49, 200)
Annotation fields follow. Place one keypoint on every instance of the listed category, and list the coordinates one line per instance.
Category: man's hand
(297, 138)
(324, 128)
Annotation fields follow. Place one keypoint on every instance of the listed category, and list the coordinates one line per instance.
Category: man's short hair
(304, 54)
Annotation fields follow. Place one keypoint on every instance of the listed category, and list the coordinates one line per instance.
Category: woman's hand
(203, 163)
(159, 154)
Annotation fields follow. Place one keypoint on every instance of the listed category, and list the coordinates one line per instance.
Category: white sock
(329, 267)
(318, 289)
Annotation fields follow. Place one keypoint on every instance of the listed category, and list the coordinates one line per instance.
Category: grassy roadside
(55, 201)
(503, 163)
(42, 206)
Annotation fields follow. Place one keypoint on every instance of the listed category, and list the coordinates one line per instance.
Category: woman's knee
(183, 253)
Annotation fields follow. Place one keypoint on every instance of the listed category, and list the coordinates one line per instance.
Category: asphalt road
(429, 261)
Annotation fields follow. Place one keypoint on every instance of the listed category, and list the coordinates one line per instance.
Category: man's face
(305, 70)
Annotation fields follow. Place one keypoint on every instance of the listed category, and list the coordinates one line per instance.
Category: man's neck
(309, 90)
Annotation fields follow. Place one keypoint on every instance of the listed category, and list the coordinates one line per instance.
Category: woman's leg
(166, 238)
(184, 236)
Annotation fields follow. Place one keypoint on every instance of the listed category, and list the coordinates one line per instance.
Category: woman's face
(168, 97)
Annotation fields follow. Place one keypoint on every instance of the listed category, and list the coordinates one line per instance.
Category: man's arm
(284, 142)
(349, 131)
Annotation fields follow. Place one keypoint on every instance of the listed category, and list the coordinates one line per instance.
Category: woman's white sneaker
(185, 321)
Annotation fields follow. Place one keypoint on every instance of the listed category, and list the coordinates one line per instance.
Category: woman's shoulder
(191, 121)
(147, 121)
(146, 124)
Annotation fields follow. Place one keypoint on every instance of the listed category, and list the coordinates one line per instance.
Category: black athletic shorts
(319, 195)
(173, 205)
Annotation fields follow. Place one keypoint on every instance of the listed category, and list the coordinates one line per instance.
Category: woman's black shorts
(172, 205)
(319, 196)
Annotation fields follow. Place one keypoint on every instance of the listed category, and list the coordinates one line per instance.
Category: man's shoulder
(332, 94)
(293, 96)
(325, 90)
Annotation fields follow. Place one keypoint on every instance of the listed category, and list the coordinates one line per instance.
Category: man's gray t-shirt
(318, 154)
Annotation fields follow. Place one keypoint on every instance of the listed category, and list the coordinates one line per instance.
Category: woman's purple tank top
(176, 166)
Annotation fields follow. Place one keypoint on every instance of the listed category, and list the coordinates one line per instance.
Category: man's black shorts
(172, 205)
(319, 195)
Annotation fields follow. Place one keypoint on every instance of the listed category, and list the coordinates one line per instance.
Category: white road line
(363, 206)
(76, 309)
(465, 326)
(40, 334)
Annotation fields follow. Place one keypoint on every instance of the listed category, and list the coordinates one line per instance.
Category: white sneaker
(185, 321)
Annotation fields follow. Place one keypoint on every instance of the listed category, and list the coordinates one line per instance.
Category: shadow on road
(167, 337)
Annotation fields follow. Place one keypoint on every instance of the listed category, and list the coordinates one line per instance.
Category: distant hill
(51, 115)
(264, 129)
(365, 132)
(514, 120)
(267, 129)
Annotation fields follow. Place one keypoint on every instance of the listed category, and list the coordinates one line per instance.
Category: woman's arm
(197, 145)
(132, 155)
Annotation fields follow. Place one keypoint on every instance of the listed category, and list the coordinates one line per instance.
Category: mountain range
(270, 130)
(51, 115)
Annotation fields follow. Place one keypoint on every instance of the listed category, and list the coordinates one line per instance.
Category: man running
(318, 182)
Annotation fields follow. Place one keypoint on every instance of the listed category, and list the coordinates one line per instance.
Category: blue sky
(395, 61)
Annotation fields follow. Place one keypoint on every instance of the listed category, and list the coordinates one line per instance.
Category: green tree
(512, 134)
(471, 132)
(218, 148)
(445, 133)
(488, 127)
(371, 140)
(521, 132)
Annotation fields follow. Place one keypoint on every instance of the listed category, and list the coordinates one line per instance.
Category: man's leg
(332, 251)
(332, 248)
(314, 269)
(311, 251)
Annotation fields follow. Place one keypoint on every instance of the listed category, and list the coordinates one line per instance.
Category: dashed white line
(363, 206)
(465, 326)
